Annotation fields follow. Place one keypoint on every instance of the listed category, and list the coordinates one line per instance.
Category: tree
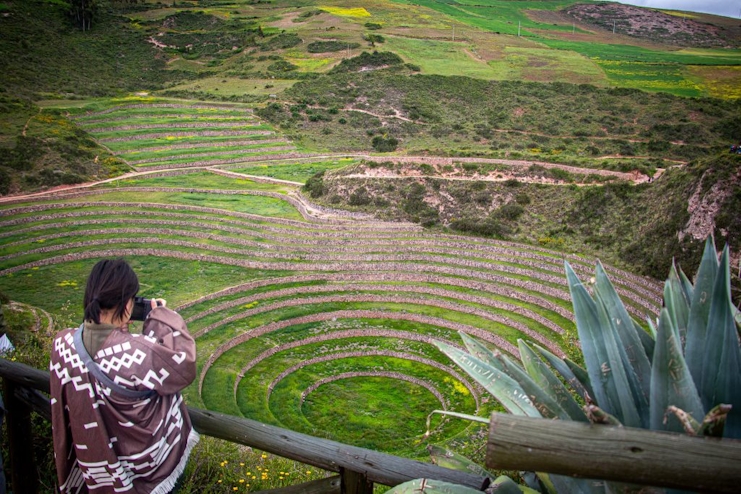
(82, 13)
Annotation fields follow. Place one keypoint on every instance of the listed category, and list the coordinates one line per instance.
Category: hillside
(644, 226)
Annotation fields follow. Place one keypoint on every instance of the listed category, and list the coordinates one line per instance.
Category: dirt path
(632, 177)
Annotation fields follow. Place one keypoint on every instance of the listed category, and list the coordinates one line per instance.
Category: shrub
(488, 227)
(282, 67)
(522, 199)
(374, 38)
(330, 46)
(360, 197)
(372, 26)
(315, 185)
(368, 60)
(384, 144)
(281, 42)
(510, 211)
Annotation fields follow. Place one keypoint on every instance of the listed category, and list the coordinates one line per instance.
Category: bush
(488, 227)
(368, 60)
(522, 199)
(281, 42)
(510, 211)
(372, 26)
(374, 38)
(360, 197)
(384, 144)
(315, 185)
(282, 67)
(330, 46)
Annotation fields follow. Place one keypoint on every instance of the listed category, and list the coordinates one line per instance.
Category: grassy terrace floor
(299, 315)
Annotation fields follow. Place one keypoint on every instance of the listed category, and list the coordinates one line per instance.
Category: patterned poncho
(107, 443)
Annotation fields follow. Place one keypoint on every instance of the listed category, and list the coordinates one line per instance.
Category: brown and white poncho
(106, 443)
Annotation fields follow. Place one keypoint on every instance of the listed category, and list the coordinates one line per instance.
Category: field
(303, 319)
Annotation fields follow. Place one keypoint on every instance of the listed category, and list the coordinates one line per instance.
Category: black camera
(142, 308)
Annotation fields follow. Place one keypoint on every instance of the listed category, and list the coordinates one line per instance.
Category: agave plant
(682, 373)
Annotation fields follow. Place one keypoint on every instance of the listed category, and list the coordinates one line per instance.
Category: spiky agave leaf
(714, 422)
(607, 374)
(541, 399)
(579, 383)
(630, 348)
(449, 459)
(547, 380)
(721, 370)
(671, 381)
(694, 350)
(677, 304)
(505, 389)
(429, 486)
(647, 340)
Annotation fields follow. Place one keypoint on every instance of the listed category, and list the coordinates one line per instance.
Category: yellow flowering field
(347, 12)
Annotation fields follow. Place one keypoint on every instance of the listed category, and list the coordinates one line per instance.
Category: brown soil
(653, 25)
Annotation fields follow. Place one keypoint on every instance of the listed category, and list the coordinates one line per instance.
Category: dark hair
(111, 284)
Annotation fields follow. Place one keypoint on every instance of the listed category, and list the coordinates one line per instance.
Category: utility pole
(613, 27)
(454, 34)
(519, 24)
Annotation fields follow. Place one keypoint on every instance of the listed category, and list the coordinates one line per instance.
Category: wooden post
(23, 466)
(354, 482)
(623, 454)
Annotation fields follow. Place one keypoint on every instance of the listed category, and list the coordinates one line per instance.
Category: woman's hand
(158, 302)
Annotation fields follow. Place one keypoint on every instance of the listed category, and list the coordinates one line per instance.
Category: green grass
(494, 15)
(439, 57)
(669, 78)
(201, 180)
(142, 144)
(233, 86)
(59, 288)
(265, 206)
(297, 172)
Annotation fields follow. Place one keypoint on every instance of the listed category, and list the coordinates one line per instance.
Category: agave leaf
(651, 329)
(500, 385)
(541, 399)
(562, 483)
(598, 416)
(714, 422)
(647, 340)
(449, 459)
(686, 286)
(677, 305)
(464, 416)
(429, 486)
(632, 351)
(688, 422)
(721, 370)
(569, 376)
(505, 485)
(583, 377)
(671, 381)
(694, 350)
(548, 381)
(602, 354)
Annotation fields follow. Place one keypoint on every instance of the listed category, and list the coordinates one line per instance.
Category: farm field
(291, 305)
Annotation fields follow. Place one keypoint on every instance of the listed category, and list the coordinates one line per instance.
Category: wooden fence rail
(623, 454)
(358, 468)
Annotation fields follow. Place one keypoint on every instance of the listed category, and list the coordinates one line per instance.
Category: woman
(119, 422)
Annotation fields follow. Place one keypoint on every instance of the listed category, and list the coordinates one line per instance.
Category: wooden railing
(576, 449)
(357, 468)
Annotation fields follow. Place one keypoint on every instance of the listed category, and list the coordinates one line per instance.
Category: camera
(142, 308)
